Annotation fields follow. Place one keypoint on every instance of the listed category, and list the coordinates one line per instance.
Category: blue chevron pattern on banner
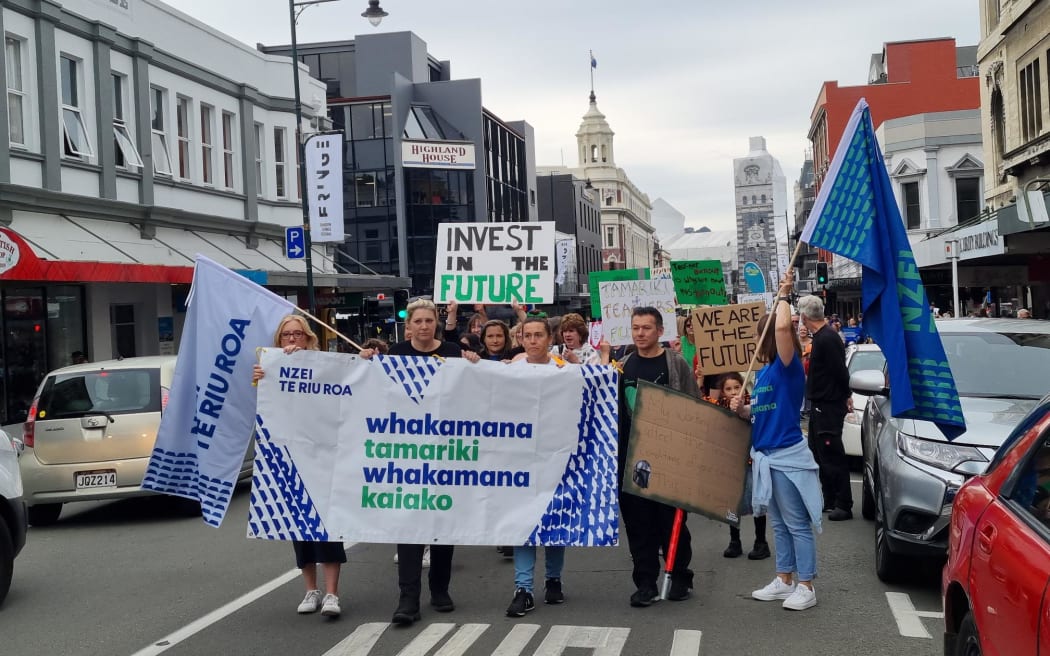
(176, 473)
(411, 372)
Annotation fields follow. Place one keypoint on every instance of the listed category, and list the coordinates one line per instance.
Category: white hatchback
(859, 357)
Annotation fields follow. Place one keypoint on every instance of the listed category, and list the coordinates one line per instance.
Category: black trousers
(648, 525)
(825, 440)
(410, 568)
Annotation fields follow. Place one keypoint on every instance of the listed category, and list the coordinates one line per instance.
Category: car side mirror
(869, 383)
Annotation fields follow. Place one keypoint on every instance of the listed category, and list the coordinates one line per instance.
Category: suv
(91, 430)
(12, 511)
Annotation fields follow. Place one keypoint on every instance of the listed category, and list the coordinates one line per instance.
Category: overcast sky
(683, 84)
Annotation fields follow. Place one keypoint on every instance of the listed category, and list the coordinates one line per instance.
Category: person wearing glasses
(294, 334)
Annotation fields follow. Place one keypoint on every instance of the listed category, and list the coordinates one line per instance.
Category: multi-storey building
(573, 206)
(760, 189)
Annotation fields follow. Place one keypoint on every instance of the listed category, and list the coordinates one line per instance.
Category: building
(138, 137)
(760, 189)
(395, 104)
(806, 260)
(705, 244)
(573, 206)
(666, 219)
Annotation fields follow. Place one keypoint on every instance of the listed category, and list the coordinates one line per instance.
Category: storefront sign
(494, 263)
(980, 240)
(9, 253)
(437, 155)
(324, 180)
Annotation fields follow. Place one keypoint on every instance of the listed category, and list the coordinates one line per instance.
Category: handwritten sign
(619, 299)
(687, 453)
(494, 263)
(595, 278)
(727, 336)
(699, 282)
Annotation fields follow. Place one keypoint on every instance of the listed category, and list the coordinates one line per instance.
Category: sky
(682, 83)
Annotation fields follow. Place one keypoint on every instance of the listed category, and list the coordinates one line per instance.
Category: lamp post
(374, 13)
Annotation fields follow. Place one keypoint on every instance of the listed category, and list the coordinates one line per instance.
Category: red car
(995, 584)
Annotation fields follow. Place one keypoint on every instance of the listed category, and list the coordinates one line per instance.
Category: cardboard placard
(687, 453)
(494, 263)
(727, 336)
(619, 299)
(699, 282)
(595, 278)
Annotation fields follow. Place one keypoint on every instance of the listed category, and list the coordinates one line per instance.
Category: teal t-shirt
(775, 405)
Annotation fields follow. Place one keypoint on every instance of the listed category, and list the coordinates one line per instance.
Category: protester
(294, 334)
(786, 483)
(496, 342)
(1024, 313)
(688, 337)
(423, 321)
(451, 331)
(574, 335)
(537, 337)
(648, 523)
(376, 344)
(827, 388)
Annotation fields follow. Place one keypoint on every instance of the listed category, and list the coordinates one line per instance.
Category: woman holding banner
(294, 334)
(786, 480)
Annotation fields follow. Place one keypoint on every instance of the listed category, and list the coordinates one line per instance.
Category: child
(731, 385)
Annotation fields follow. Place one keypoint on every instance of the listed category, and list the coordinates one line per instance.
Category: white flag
(564, 249)
(206, 427)
(324, 186)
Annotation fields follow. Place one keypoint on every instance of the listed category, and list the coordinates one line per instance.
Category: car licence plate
(94, 480)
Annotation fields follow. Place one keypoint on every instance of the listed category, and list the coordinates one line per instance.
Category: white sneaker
(426, 557)
(311, 602)
(804, 597)
(777, 589)
(330, 607)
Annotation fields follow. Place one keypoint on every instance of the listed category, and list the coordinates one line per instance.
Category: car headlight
(942, 455)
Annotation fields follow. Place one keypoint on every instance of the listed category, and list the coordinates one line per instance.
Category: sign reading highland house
(437, 154)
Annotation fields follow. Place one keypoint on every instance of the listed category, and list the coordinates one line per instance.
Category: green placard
(699, 282)
(596, 277)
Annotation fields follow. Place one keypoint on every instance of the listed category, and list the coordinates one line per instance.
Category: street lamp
(374, 13)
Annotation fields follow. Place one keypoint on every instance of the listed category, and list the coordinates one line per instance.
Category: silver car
(911, 472)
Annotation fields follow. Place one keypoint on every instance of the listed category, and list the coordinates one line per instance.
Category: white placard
(765, 297)
(438, 155)
(594, 334)
(494, 263)
(619, 298)
(324, 184)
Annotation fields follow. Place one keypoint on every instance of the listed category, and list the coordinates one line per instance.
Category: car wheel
(44, 514)
(7, 559)
(968, 642)
(867, 500)
(887, 563)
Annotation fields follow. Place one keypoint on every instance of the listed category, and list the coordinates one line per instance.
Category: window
(1030, 86)
(743, 200)
(207, 144)
(594, 153)
(912, 210)
(77, 143)
(161, 157)
(15, 92)
(259, 144)
(967, 198)
(279, 161)
(227, 150)
(182, 127)
(125, 153)
(610, 236)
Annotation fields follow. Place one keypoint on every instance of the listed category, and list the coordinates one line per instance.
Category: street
(133, 577)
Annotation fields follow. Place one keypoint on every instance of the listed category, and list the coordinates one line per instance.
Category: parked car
(859, 357)
(91, 430)
(911, 472)
(996, 582)
(12, 511)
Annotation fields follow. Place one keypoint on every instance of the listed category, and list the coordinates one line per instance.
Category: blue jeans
(525, 564)
(792, 532)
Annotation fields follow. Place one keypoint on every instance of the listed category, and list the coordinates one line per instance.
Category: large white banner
(495, 263)
(206, 427)
(424, 451)
(324, 184)
(619, 298)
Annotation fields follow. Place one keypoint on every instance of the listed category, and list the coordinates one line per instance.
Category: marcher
(294, 334)
(648, 523)
(423, 320)
(496, 342)
(786, 482)
(536, 333)
(827, 388)
(1024, 313)
(574, 335)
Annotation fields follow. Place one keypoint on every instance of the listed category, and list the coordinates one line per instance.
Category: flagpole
(769, 322)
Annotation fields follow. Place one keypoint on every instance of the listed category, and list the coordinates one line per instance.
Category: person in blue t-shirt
(786, 483)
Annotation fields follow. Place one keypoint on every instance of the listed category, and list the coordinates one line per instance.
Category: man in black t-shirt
(827, 388)
(648, 523)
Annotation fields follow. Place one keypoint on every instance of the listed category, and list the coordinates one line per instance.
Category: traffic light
(401, 304)
(822, 273)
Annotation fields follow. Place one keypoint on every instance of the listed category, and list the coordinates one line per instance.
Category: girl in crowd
(786, 482)
(294, 334)
(686, 334)
(496, 343)
(574, 335)
(451, 332)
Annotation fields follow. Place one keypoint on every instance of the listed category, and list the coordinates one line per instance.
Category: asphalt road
(133, 577)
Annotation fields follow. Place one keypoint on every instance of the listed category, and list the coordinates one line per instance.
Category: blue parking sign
(294, 243)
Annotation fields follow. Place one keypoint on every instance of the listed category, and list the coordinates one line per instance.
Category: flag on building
(207, 425)
(594, 62)
(855, 215)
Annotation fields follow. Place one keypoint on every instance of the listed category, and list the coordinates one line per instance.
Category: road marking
(198, 625)
(604, 640)
(359, 642)
(909, 620)
(686, 643)
(426, 640)
(462, 640)
(516, 640)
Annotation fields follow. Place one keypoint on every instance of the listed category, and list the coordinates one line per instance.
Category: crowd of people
(790, 479)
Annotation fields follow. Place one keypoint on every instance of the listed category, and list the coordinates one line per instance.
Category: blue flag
(855, 215)
(594, 62)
